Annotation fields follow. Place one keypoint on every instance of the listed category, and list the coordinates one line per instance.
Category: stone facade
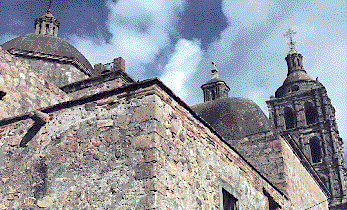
(25, 90)
(56, 73)
(104, 80)
(273, 156)
(139, 149)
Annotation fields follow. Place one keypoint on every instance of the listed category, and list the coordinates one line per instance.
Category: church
(74, 136)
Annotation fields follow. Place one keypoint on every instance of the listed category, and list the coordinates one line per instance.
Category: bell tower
(47, 24)
(302, 110)
(215, 88)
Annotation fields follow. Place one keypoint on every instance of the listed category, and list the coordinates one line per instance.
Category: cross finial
(214, 71)
(214, 65)
(49, 6)
(290, 33)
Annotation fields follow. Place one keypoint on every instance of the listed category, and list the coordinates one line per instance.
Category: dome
(213, 81)
(48, 47)
(292, 51)
(297, 76)
(234, 118)
(48, 14)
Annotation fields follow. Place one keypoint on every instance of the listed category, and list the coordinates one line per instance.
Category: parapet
(107, 77)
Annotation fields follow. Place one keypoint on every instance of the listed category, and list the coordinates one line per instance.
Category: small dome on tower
(215, 88)
(48, 14)
(292, 51)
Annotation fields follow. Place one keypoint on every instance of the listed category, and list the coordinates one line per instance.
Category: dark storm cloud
(82, 17)
(203, 20)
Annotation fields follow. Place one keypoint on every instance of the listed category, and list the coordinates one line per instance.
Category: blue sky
(177, 40)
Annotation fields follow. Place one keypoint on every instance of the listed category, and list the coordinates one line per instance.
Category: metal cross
(214, 65)
(290, 33)
(50, 2)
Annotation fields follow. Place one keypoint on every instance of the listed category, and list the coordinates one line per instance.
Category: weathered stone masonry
(25, 91)
(138, 149)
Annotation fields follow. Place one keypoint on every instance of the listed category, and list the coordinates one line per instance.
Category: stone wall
(25, 91)
(264, 152)
(128, 151)
(84, 157)
(59, 74)
(108, 85)
(302, 188)
(140, 148)
(275, 159)
(194, 164)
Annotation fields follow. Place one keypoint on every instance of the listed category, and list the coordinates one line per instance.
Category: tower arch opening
(289, 117)
(47, 29)
(311, 113)
(213, 95)
(315, 150)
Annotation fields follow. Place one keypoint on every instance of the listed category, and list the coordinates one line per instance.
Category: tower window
(289, 118)
(295, 88)
(229, 201)
(213, 94)
(315, 150)
(47, 28)
(310, 113)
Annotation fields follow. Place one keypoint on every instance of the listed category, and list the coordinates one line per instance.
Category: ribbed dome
(234, 118)
(214, 80)
(292, 51)
(48, 14)
(50, 47)
(297, 76)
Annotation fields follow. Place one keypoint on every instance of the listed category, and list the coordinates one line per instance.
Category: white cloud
(182, 65)
(247, 12)
(140, 30)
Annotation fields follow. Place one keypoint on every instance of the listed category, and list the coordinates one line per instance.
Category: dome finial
(49, 6)
(290, 33)
(214, 71)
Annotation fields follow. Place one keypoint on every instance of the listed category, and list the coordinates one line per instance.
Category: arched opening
(315, 150)
(289, 117)
(213, 95)
(47, 28)
(310, 113)
(295, 88)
